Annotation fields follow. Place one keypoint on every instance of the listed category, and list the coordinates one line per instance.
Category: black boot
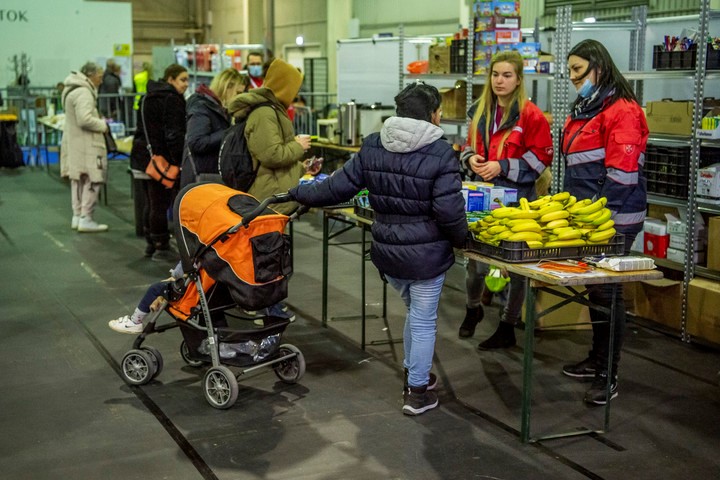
(473, 316)
(418, 400)
(504, 337)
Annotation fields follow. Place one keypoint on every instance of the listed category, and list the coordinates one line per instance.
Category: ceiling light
(299, 40)
(589, 19)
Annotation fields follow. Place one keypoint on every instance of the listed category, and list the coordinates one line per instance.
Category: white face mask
(586, 89)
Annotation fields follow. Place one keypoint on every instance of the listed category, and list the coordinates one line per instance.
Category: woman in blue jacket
(414, 182)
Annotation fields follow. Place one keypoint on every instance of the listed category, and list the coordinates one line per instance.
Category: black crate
(458, 56)
(683, 60)
(365, 212)
(667, 170)
(519, 252)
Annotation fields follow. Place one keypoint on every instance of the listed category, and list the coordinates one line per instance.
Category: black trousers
(602, 295)
(158, 201)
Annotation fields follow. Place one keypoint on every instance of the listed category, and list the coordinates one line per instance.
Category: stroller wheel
(138, 367)
(156, 357)
(185, 354)
(292, 369)
(221, 387)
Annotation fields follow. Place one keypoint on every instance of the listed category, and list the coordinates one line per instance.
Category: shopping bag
(110, 144)
(161, 170)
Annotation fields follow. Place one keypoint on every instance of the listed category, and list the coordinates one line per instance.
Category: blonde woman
(207, 120)
(509, 144)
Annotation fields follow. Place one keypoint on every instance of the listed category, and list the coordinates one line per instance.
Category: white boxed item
(654, 226)
(678, 240)
(708, 181)
(677, 228)
(626, 264)
(639, 243)
(678, 256)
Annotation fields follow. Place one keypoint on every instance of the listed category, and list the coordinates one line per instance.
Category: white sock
(138, 315)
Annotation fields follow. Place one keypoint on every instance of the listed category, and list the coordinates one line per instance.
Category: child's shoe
(125, 325)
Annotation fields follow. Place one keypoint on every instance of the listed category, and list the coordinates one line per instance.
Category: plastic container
(519, 252)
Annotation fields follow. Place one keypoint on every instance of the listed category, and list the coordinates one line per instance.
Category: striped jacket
(525, 153)
(603, 157)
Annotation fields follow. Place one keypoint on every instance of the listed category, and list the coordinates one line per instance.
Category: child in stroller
(235, 254)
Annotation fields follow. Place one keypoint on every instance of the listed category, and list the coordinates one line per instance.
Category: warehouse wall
(61, 36)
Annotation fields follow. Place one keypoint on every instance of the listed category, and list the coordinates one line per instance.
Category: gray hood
(403, 134)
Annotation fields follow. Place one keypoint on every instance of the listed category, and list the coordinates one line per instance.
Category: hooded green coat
(271, 140)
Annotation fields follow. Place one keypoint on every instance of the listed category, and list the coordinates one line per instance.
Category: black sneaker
(432, 382)
(597, 394)
(418, 400)
(504, 337)
(584, 369)
(149, 250)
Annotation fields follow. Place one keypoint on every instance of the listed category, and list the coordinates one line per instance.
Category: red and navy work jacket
(524, 155)
(604, 155)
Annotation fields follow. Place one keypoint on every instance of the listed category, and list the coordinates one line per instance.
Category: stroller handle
(277, 198)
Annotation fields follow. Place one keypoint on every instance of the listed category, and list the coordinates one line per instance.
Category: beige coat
(83, 144)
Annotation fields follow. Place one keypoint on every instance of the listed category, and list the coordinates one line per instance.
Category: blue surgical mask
(255, 70)
(586, 89)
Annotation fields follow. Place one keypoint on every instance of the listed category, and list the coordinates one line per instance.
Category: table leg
(362, 288)
(528, 362)
(611, 349)
(325, 249)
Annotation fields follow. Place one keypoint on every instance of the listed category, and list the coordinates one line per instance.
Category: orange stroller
(234, 253)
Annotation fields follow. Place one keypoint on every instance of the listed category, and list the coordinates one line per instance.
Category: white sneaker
(88, 225)
(75, 221)
(125, 325)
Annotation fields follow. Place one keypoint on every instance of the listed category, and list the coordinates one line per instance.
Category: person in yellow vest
(141, 80)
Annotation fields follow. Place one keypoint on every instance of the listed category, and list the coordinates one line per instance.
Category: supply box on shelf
(655, 238)
(455, 98)
(708, 182)
(710, 126)
(670, 117)
(713, 250)
(439, 58)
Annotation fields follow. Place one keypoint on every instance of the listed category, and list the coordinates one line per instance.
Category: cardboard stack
(677, 231)
(497, 28)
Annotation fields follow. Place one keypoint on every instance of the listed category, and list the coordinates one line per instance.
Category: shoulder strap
(142, 115)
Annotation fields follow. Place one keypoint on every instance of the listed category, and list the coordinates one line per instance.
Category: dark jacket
(414, 182)
(110, 85)
(164, 111)
(207, 122)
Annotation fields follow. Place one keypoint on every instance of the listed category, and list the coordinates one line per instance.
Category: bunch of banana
(558, 220)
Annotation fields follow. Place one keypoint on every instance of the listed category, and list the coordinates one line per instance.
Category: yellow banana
(589, 218)
(524, 204)
(534, 244)
(570, 201)
(525, 236)
(551, 207)
(578, 205)
(558, 215)
(604, 217)
(571, 234)
(602, 235)
(504, 212)
(536, 204)
(562, 222)
(593, 207)
(494, 230)
(565, 243)
(504, 235)
(529, 226)
(561, 197)
(524, 214)
(606, 225)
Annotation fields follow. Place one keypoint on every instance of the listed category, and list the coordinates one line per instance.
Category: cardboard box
(708, 182)
(496, 22)
(576, 316)
(703, 314)
(678, 240)
(454, 99)
(546, 64)
(659, 301)
(713, 249)
(508, 36)
(439, 58)
(474, 200)
(506, 8)
(656, 245)
(678, 255)
(668, 116)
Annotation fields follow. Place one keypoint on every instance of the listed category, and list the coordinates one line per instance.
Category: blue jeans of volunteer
(421, 298)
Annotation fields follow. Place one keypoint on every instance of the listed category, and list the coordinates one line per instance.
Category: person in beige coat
(84, 158)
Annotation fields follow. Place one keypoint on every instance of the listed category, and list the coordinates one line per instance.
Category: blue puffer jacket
(414, 182)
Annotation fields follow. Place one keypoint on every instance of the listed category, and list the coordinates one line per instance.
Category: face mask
(255, 70)
(586, 88)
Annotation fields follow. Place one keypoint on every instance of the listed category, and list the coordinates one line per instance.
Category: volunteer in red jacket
(603, 147)
(509, 145)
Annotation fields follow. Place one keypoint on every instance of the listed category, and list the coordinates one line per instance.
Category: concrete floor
(67, 413)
